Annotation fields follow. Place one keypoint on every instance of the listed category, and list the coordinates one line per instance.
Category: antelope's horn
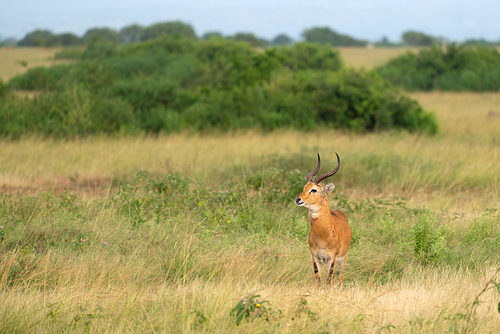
(324, 176)
(314, 172)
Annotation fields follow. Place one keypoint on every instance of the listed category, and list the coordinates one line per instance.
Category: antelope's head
(314, 192)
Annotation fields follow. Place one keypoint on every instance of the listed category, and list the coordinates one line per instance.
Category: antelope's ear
(328, 188)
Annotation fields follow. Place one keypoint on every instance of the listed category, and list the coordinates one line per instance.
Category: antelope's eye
(313, 191)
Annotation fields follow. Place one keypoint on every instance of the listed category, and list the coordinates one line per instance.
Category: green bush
(454, 68)
(40, 78)
(429, 243)
(306, 55)
(176, 83)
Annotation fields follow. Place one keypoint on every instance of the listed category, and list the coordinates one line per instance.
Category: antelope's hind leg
(331, 272)
(341, 262)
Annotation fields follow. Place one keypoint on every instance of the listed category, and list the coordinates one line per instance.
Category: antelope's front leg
(317, 273)
(331, 273)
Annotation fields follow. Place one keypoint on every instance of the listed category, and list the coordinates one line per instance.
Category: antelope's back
(343, 228)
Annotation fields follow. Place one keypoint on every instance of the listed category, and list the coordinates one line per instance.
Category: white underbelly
(325, 259)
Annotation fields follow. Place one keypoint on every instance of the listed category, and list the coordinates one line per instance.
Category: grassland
(371, 57)
(15, 61)
(101, 235)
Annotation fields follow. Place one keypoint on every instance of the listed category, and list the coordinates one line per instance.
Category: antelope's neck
(319, 210)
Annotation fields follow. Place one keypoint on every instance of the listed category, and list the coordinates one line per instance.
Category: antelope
(330, 234)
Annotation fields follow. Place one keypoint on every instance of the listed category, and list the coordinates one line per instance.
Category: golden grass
(119, 297)
(371, 57)
(12, 59)
(467, 148)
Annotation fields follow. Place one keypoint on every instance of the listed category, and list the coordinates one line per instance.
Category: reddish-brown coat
(330, 234)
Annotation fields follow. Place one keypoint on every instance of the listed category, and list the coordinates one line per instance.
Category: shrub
(452, 68)
(176, 83)
(4, 89)
(39, 78)
(429, 244)
(305, 55)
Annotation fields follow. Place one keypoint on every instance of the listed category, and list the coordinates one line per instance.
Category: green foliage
(454, 68)
(282, 39)
(99, 47)
(107, 34)
(211, 34)
(40, 78)
(4, 89)
(480, 42)
(429, 243)
(37, 38)
(327, 36)
(305, 55)
(131, 33)
(47, 38)
(176, 83)
(251, 308)
(72, 53)
(415, 38)
(250, 39)
(167, 28)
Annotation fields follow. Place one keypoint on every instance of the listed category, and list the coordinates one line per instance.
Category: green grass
(168, 253)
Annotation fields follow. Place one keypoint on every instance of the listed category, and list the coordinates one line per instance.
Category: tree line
(136, 33)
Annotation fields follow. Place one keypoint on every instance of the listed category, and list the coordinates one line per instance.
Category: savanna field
(169, 233)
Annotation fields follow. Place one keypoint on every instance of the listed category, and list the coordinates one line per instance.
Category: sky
(455, 20)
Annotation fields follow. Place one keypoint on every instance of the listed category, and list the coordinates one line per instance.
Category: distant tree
(250, 38)
(132, 33)
(480, 42)
(386, 43)
(108, 34)
(66, 39)
(415, 38)
(168, 28)
(282, 39)
(327, 36)
(37, 38)
(211, 34)
(10, 41)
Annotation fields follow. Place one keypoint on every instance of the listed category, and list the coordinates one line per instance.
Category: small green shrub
(251, 308)
(429, 243)
(4, 89)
